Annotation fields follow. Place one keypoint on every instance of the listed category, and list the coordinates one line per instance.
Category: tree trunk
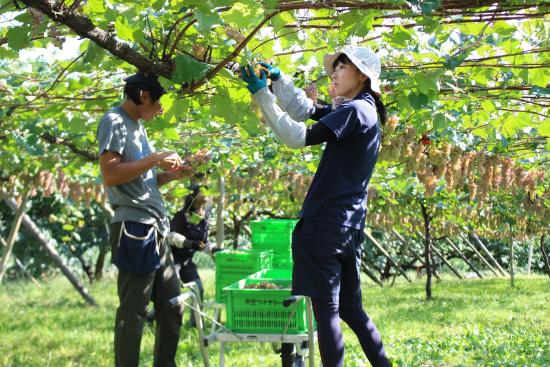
(443, 259)
(427, 249)
(86, 268)
(387, 270)
(236, 231)
(104, 249)
(100, 261)
(412, 251)
(12, 237)
(238, 224)
(544, 255)
(49, 246)
(220, 231)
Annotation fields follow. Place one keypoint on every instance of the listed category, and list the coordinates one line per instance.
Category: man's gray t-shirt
(138, 200)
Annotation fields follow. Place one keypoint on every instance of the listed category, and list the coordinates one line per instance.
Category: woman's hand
(274, 72)
(311, 92)
(253, 82)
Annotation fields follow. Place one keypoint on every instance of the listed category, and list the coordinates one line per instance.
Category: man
(146, 269)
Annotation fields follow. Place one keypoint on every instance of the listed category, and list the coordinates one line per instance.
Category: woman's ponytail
(380, 108)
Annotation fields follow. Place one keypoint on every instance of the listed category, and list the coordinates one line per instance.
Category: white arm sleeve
(290, 132)
(292, 100)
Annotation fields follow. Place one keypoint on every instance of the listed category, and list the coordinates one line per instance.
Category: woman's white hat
(364, 58)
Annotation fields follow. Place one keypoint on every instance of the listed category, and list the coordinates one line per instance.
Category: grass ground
(468, 323)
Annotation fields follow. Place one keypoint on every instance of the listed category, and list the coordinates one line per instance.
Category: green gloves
(274, 72)
(253, 83)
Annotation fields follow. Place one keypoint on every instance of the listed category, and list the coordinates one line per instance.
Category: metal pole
(310, 331)
(220, 229)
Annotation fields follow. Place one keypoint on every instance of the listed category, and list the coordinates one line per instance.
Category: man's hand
(274, 72)
(168, 160)
(174, 174)
(182, 171)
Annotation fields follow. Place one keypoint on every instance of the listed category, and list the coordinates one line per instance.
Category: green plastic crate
(234, 265)
(272, 274)
(272, 233)
(282, 258)
(282, 261)
(275, 235)
(261, 311)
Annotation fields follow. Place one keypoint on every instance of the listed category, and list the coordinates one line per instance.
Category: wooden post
(12, 237)
(473, 248)
(388, 256)
(544, 255)
(530, 257)
(413, 252)
(28, 273)
(220, 229)
(455, 247)
(20, 264)
(48, 245)
(440, 255)
(370, 274)
(512, 265)
(482, 246)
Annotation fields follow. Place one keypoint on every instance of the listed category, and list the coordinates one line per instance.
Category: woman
(192, 222)
(326, 243)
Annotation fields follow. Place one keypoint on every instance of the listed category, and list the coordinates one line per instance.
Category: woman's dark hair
(380, 108)
(132, 92)
(191, 197)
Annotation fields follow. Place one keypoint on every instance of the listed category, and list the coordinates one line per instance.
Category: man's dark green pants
(135, 291)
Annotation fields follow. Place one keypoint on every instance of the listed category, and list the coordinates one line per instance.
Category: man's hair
(132, 92)
(139, 82)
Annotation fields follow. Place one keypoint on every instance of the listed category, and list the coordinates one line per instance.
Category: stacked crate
(274, 235)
